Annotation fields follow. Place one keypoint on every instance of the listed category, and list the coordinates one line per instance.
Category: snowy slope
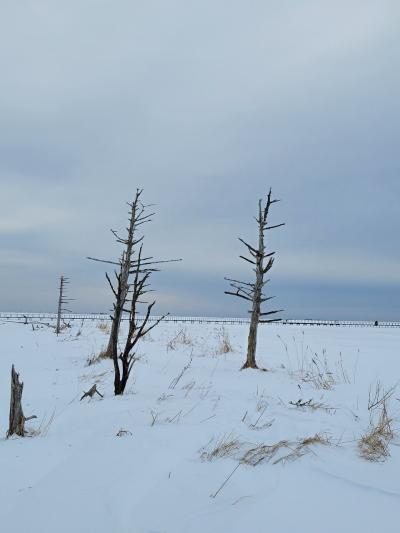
(160, 473)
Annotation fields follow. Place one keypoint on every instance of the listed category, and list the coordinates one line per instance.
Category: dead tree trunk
(131, 285)
(253, 292)
(62, 300)
(125, 263)
(17, 419)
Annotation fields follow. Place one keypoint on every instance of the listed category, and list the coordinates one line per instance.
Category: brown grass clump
(374, 444)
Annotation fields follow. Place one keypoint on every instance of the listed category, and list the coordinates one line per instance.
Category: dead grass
(252, 455)
(156, 420)
(224, 342)
(43, 428)
(226, 446)
(94, 359)
(374, 444)
(263, 453)
(316, 369)
(312, 405)
(104, 327)
(95, 378)
(181, 338)
(176, 379)
(266, 453)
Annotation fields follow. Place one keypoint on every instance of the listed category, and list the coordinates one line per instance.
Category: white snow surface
(77, 475)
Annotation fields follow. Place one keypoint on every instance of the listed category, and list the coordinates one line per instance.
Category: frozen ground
(160, 474)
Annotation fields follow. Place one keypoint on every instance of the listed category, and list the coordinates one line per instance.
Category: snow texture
(153, 460)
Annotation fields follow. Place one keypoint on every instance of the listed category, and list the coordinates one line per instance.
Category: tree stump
(17, 419)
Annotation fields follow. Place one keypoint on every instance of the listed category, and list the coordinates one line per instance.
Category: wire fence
(67, 317)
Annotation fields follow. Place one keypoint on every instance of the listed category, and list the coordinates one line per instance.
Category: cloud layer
(205, 105)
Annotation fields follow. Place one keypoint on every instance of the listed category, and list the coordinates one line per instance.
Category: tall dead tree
(62, 300)
(253, 292)
(16, 425)
(130, 286)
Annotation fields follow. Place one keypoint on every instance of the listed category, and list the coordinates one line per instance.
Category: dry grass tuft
(374, 444)
(224, 342)
(93, 359)
(182, 338)
(312, 405)
(104, 327)
(177, 379)
(227, 446)
(315, 369)
(95, 378)
(253, 455)
(43, 428)
(319, 374)
(265, 453)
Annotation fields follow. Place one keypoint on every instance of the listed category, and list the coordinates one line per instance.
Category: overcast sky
(204, 104)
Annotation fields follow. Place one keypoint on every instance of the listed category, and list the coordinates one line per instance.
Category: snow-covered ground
(153, 460)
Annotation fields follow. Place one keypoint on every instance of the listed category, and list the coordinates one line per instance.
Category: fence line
(29, 317)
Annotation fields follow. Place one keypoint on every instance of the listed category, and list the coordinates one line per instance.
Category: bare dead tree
(17, 419)
(253, 292)
(62, 300)
(130, 286)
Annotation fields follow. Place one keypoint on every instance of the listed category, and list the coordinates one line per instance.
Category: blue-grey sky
(205, 105)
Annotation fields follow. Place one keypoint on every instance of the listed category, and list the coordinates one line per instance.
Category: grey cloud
(205, 105)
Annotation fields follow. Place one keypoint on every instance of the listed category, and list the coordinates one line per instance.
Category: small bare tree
(129, 288)
(62, 300)
(137, 217)
(253, 292)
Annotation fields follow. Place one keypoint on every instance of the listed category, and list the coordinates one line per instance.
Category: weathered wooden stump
(17, 419)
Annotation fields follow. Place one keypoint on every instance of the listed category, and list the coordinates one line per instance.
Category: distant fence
(30, 317)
